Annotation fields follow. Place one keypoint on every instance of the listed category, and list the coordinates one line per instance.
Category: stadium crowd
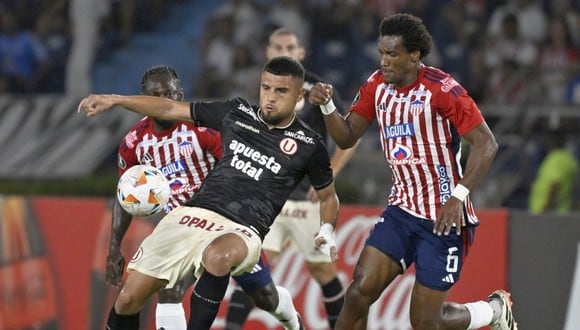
(36, 37)
(502, 51)
(513, 56)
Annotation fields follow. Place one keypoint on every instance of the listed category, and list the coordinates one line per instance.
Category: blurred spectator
(129, 16)
(532, 21)
(25, 11)
(508, 57)
(24, 60)
(557, 61)
(507, 84)
(208, 85)
(452, 41)
(363, 56)
(288, 13)
(553, 187)
(86, 17)
(333, 39)
(245, 80)
(247, 17)
(53, 31)
(570, 15)
(423, 9)
(217, 51)
(385, 8)
(478, 74)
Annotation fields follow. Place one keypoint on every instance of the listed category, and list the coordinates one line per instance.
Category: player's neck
(411, 78)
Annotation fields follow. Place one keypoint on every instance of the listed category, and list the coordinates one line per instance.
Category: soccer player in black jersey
(267, 151)
(298, 220)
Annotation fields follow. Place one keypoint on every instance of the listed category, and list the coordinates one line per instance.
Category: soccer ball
(143, 190)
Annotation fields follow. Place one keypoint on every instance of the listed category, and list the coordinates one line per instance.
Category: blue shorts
(259, 277)
(407, 239)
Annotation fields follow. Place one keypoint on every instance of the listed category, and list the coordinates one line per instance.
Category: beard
(271, 119)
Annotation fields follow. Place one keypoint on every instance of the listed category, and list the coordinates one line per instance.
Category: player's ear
(301, 53)
(180, 95)
(301, 94)
(416, 56)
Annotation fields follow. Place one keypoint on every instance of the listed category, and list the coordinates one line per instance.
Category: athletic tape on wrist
(326, 229)
(460, 192)
(327, 108)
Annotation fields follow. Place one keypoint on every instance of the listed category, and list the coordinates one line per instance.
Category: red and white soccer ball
(143, 190)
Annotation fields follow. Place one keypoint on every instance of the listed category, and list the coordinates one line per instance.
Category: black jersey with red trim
(260, 166)
(313, 117)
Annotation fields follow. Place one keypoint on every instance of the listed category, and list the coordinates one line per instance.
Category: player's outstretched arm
(158, 107)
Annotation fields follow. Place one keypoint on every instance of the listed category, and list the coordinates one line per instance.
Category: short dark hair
(411, 29)
(284, 66)
(159, 70)
(284, 31)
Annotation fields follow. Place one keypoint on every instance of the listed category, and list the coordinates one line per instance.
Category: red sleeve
(210, 140)
(364, 101)
(457, 106)
(213, 142)
(126, 157)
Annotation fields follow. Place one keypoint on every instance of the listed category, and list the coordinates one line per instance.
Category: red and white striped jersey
(420, 128)
(185, 153)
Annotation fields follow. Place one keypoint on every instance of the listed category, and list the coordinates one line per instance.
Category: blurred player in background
(298, 221)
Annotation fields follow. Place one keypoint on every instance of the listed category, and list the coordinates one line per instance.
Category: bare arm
(328, 204)
(483, 149)
(328, 219)
(115, 259)
(158, 107)
(345, 131)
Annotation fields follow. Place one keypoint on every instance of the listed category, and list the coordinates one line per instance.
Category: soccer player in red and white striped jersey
(185, 153)
(422, 113)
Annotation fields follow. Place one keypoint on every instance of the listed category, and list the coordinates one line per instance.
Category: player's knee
(170, 296)
(266, 298)
(127, 304)
(362, 291)
(218, 264)
(224, 254)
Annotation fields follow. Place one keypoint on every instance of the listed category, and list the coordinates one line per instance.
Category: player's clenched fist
(320, 94)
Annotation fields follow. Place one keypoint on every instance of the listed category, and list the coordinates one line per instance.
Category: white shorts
(299, 222)
(176, 245)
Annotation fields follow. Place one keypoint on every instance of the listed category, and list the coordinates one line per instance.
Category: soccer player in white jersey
(422, 114)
